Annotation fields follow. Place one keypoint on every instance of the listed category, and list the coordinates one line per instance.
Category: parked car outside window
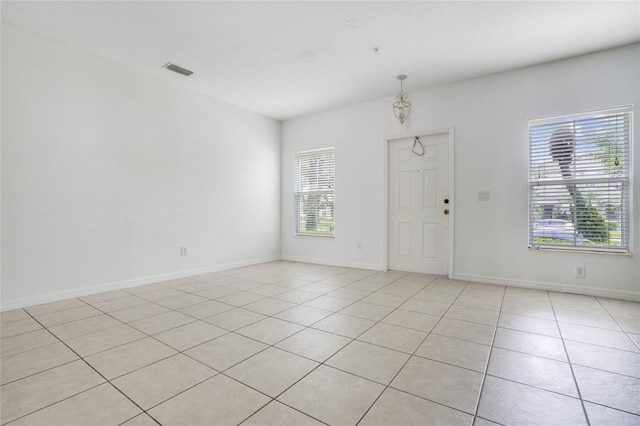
(557, 229)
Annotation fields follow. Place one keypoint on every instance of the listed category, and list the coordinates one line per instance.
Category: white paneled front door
(419, 205)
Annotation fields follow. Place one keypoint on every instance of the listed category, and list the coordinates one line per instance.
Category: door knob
(446, 211)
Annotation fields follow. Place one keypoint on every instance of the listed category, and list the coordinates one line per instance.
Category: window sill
(581, 250)
(331, 237)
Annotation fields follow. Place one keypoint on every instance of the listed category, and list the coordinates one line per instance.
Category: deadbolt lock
(446, 201)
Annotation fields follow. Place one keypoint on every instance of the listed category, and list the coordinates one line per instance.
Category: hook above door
(417, 140)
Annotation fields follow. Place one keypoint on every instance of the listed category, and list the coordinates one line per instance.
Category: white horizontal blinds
(314, 198)
(579, 168)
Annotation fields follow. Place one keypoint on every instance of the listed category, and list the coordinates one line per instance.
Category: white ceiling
(285, 59)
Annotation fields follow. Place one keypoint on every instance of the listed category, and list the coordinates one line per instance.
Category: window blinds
(314, 198)
(579, 177)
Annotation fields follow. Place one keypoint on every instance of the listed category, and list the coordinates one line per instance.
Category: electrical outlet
(483, 196)
(183, 251)
(580, 271)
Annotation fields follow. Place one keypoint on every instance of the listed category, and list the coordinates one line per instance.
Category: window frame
(581, 180)
(323, 190)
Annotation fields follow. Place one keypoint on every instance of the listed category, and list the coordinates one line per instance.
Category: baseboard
(541, 285)
(334, 262)
(118, 285)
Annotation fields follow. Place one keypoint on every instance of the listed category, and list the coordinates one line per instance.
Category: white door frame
(385, 156)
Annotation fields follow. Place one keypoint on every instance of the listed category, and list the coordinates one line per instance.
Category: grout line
(624, 330)
(566, 352)
(141, 414)
(486, 366)
(57, 402)
(42, 371)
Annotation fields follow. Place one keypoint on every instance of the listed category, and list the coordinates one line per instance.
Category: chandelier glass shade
(402, 106)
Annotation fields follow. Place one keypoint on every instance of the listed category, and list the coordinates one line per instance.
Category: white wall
(489, 116)
(107, 171)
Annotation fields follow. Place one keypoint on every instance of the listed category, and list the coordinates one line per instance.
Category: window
(314, 198)
(579, 177)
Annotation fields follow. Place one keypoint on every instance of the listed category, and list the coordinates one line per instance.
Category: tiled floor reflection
(296, 344)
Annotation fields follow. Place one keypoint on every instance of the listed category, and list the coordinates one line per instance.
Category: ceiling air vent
(179, 70)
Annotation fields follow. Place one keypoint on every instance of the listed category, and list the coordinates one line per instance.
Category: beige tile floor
(292, 343)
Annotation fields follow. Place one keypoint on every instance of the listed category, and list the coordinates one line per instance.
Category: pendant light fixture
(402, 106)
